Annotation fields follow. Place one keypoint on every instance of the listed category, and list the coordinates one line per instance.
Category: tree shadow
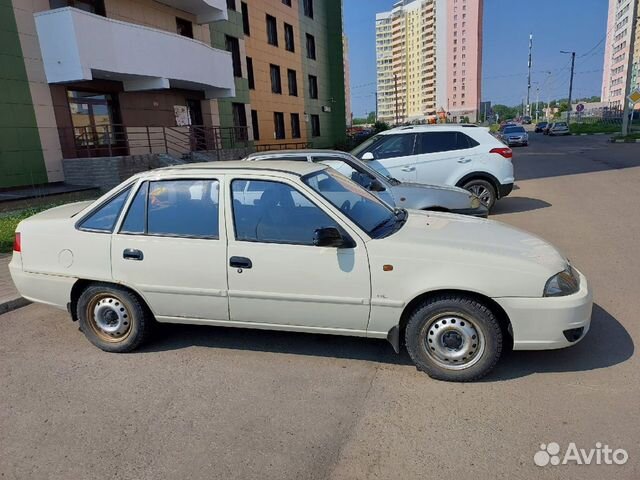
(518, 205)
(607, 344)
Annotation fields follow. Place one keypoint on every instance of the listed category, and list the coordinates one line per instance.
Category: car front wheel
(484, 190)
(453, 338)
(113, 319)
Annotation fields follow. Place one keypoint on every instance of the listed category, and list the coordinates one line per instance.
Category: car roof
(293, 168)
(292, 153)
(458, 127)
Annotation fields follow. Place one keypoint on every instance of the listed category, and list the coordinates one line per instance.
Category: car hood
(472, 240)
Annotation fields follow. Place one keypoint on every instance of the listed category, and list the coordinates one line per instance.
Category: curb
(13, 304)
(637, 140)
(587, 134)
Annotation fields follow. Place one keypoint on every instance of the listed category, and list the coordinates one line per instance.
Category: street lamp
(573, 61)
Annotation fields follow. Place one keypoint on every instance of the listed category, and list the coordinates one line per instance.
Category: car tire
(112, 318)
(484, 190)
(453, 338)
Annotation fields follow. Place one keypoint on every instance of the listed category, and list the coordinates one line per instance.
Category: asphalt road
(208, 403)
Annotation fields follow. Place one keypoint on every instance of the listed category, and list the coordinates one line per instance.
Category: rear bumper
(504, 189)
(52, 290)
(551, 322)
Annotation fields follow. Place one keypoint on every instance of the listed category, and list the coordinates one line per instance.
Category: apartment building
(95, 89)
(428, 55)
(79, 77)
(617, 51)
(288, 68)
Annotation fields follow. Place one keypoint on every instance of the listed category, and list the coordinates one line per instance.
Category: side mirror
(376, 186)
(331, 237)
(368, 156)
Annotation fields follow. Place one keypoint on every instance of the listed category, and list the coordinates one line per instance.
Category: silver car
(559, 128)
(515, 135)
(395, 193)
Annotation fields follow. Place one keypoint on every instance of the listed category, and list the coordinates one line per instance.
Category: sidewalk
(10, 299)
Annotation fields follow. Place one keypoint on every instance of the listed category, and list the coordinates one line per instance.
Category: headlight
(564, 283)
(475, 202)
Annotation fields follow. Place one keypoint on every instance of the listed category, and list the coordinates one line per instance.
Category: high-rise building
(428, 55)
(617, 51)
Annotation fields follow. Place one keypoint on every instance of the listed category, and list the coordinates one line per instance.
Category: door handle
(464, 160)
(132, 254)
(408, 169)
(240, 262)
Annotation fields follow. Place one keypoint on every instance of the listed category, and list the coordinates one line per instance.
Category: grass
(631, 136)
(9, 222)
(598, 127)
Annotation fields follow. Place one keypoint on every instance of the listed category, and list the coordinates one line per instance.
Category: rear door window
(394, 146)
(435, 142)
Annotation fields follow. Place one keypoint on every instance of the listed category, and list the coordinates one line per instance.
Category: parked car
(540, 126)
(457, 155)
(545, 130)
(297, 246)
(515, 135)
(526, 120)
(559, 128)
(394, 192)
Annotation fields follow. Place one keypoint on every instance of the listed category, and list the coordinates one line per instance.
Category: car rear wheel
(453, 338)
(113, 319)
(484, 190)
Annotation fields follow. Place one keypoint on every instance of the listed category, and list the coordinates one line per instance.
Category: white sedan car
(297, 246)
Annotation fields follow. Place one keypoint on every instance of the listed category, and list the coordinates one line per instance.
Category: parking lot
(205, 402)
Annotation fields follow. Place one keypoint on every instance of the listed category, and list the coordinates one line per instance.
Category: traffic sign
(580, 108)
(635, 96)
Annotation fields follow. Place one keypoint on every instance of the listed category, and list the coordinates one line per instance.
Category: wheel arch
(82, 284)
(480, 176)
(396, 335)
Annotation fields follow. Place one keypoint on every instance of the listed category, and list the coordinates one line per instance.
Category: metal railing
(282, 146)
(114, 140)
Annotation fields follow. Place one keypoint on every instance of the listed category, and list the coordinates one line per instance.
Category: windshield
(364, 209)
(364, 146)
(514, 130)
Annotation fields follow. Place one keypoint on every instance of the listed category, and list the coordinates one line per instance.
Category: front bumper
(517, 141)
(481, 212)
(549, 322)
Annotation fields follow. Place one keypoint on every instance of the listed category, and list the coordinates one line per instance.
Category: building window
(250, 77)
(184, 27)
(293, 83)
(289, 41)
(287, 2)
(278, 122)
(313, 86)
(295, 125)
(272, 31)
(276, 85)
(254, 124)
(315, 125)
(245, 18)
(231, 4)
(308, 8)
(311, 47)
(92, 6)
(239, 117)
(233, 46)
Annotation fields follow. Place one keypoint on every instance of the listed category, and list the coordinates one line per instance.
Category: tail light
(504, 151)
(17, 243)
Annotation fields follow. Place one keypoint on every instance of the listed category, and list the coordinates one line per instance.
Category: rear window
(105, 217)
(434, 142)
(560, 124)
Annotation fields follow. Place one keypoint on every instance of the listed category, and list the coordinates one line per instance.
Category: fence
(120, 140)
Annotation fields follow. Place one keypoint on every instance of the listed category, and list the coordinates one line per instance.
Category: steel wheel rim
(482, 193)
(453, 341)
(109, 318)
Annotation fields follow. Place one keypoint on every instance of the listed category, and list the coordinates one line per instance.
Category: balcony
(79, 46)
(206, 11)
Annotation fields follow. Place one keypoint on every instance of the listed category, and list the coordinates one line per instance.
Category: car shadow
(518, 205)
(606, 344)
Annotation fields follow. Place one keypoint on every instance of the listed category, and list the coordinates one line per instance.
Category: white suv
(460, 155)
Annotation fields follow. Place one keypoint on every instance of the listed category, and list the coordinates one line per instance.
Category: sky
(570, 25)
